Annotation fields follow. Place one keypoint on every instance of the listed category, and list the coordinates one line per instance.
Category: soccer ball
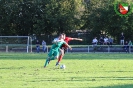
(62, 66)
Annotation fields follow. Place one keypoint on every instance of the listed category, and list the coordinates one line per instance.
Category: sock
(60, 58)
(46, 63)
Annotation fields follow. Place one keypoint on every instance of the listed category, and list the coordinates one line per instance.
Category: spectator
(101, 40)
(106, 41)
(43, 46)
(38, 46)
(94, 41)
(122, 39)
(110, 41)
(130, 43)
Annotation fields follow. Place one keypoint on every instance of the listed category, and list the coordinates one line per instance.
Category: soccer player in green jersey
(55, 50)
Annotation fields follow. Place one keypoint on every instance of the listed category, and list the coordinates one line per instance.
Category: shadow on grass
(10, 68)
(22, 56)
(118, 86)
(91, 79)
(99, 78)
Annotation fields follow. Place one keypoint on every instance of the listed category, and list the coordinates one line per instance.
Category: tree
(4, 17)
(58, 16)
(101, 18)
(26, 17)
(16, 17)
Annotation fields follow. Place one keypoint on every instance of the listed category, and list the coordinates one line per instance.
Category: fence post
(88, 49)
(31, 48)
(27, 48)
(31, 45)
(7, 48)
(28, 43)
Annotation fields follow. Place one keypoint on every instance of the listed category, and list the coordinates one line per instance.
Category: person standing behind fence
(94, 43)
(122, 39)
(106, 41)
(101, 41)
(38, 46)
(110, 41)
(43, 46)
(130, 43)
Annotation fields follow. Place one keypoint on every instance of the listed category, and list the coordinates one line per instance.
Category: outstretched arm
(77, 39)
(68, 46)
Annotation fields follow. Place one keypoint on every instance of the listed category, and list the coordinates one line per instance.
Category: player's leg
(47, 62)
(55, 54)
(49, 57)
(60, 56)
(53, 58)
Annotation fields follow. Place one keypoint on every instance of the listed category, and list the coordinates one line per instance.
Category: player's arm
(68, 46)
(77, 39)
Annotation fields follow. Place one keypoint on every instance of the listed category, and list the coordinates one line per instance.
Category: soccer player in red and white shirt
(64, 47)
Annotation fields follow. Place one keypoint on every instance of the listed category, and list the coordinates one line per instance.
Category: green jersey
(54, 51)
(57, 45)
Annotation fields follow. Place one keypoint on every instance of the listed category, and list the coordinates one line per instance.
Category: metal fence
(75, 48)
(102, 48)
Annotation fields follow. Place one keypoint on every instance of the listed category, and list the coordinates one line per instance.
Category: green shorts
(54, 53)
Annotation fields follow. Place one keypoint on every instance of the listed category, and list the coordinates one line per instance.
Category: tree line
(97, 17)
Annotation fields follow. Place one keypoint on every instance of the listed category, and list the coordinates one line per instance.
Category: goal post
(14, 43)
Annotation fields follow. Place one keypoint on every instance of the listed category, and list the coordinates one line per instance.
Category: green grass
(85, 70)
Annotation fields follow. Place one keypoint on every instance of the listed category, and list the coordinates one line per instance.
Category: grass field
(85, 70)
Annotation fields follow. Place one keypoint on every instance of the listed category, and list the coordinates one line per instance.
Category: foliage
(49, 17)
(102, 20)
(27, 17)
